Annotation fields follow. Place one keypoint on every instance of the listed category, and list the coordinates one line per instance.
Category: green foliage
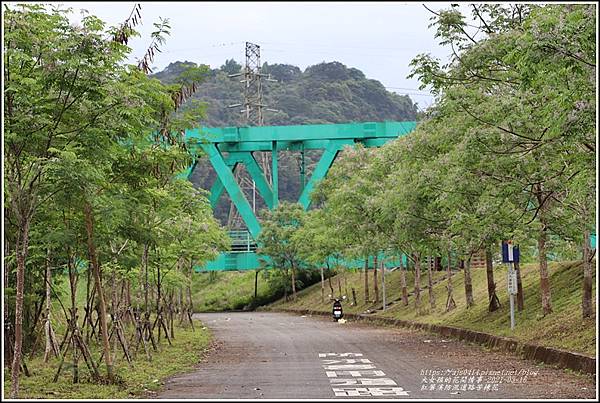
(92, 152)
(276, 239)
(316, 241)
(286, 242)
(507, 152)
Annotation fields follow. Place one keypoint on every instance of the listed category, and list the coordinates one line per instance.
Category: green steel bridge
(228, 147)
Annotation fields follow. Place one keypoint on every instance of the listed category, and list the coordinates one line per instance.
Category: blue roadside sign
(510, 252)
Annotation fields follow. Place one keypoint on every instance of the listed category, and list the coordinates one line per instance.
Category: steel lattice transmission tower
(253, 112)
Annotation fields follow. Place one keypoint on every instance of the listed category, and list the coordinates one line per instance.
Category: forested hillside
(323, 93)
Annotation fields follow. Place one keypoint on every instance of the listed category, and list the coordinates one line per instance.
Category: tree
(349, 205)
(77, 120)
(276, 239)
(515, 96)
(317, 244)
(405, 204)
(59, 81)
(231, 66)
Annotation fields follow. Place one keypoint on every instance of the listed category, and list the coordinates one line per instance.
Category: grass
(310, 298)
(186, 351)
(564, 328)
(136, 381)
(222, 291)
(230, 290)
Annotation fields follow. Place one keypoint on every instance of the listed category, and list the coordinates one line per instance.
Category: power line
(347, 53)
(405, 88)
(339, 47)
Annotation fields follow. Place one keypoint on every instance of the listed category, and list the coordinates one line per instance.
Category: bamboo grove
(91, 194)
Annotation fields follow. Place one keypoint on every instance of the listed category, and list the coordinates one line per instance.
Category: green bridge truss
(228, 147)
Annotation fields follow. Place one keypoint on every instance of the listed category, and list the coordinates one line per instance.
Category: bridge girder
(228, 147)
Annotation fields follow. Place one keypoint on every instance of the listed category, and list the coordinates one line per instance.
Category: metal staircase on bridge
(242, 241)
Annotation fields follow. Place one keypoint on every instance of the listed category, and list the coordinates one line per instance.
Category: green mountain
(323, 93)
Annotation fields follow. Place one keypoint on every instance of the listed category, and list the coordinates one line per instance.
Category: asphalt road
(261, 355)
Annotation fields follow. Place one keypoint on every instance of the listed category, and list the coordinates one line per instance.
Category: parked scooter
(337, 310)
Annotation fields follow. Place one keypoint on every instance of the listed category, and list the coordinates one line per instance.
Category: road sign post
(511, 285)
(383, 281)
(510, 255)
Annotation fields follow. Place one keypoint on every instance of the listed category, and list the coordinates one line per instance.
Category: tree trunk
(145, 282)
(73, 310)
(586, 302)
(322, 285)
(468, 283)
(437, 263)
(114, 294)
(158, 284)
(430, 281)
(22, 249)
(8, 344)
(255, 285)
(375, 282)
(543, 259)
(89, 225)
(345, 282)
(417, 258)
(51, 344)
(491, 285)
(189, 288)
(544, 280)
(403, 283)
(339, 286)
(159, 312)
(294, 282)
(88, 304)
(171, 304)
(180, 304)
(113, 305)
(520, 296)
(367, 280)
(329, 282)
(450, 303)
(128, 317)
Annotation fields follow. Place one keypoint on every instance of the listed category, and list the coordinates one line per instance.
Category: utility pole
(253, 111)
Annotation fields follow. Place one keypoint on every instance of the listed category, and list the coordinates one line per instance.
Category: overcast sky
(378, 38)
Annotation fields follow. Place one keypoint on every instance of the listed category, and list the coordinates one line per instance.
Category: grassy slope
(563, 329)
(183, 355)
(225, 290)
(145, 376)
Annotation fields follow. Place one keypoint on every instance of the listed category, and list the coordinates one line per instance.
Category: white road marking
(347, 361)
(363, 381)
(363, 373)
(370, 392)
(323, 355)
(358, 374)
(349, 366)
